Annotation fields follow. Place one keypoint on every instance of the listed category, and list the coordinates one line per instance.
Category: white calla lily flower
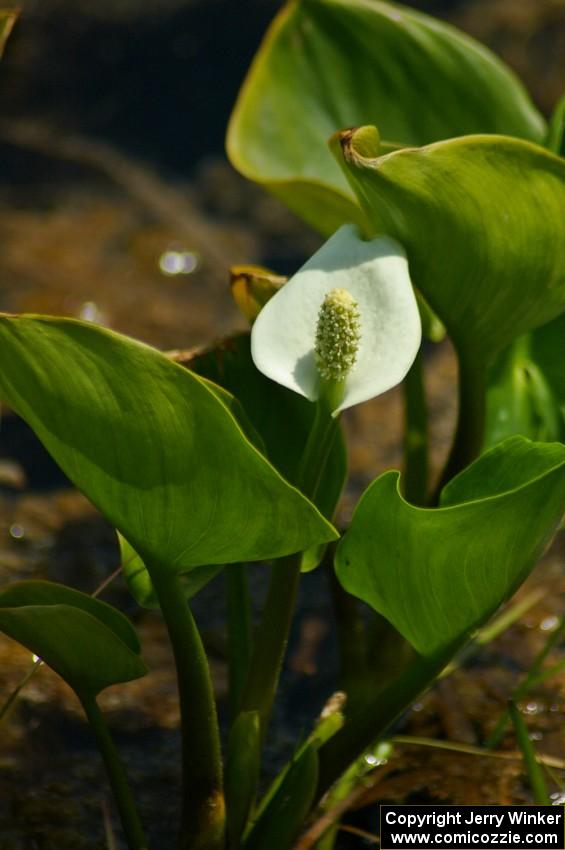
(375, 321)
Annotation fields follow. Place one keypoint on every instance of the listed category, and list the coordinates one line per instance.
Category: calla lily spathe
(375, 273)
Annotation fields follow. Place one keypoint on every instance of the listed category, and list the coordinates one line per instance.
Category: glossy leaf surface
(135, 572)
(437, 574)
(482, 219)
(329, 64)
(151, 446)
(88, 643)
(281, 417)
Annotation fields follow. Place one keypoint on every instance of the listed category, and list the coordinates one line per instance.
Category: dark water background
(156, 79)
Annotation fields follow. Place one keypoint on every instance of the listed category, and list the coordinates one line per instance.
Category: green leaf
(135, 572)
(329, 64)
(152, 447)
(88, 643)
(438, 574)
(301, 765)
(281, 819)
(139, 582)
(481, 219)
(136, 576)
(237, 411)
(281, 417)
(526, 393)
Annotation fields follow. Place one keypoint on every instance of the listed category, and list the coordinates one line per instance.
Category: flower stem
(351, 634)
(471, 418)
(320, 440)
(272, 634)
(271, 639)
(203, 814)
(118, 780)
(240, 631)
(415, 434)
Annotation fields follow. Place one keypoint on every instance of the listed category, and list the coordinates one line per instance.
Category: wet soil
(85, 231)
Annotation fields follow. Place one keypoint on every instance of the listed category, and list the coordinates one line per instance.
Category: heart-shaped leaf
(88, 643)
(329, 64)
(282, 418)
(135, 572)
(153, 448)
(482, 221)
(438, 574)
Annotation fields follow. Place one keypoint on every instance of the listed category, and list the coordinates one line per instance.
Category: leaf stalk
(129, 817)
(470, 420)
(203, 810)
(272, 635)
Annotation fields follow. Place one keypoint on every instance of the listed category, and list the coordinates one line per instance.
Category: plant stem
(4, 709)
(239, 630)
(389, 652)
(203, 814)
(522, 689)
(351, 634)
(118, 780)
(496, 627)
(415, 434)
(470, 421)
(533, 768)
(317, 448)
(272, 634)
(271, 638)
(370, 721)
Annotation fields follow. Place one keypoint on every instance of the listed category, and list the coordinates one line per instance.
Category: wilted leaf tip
(358, 143)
